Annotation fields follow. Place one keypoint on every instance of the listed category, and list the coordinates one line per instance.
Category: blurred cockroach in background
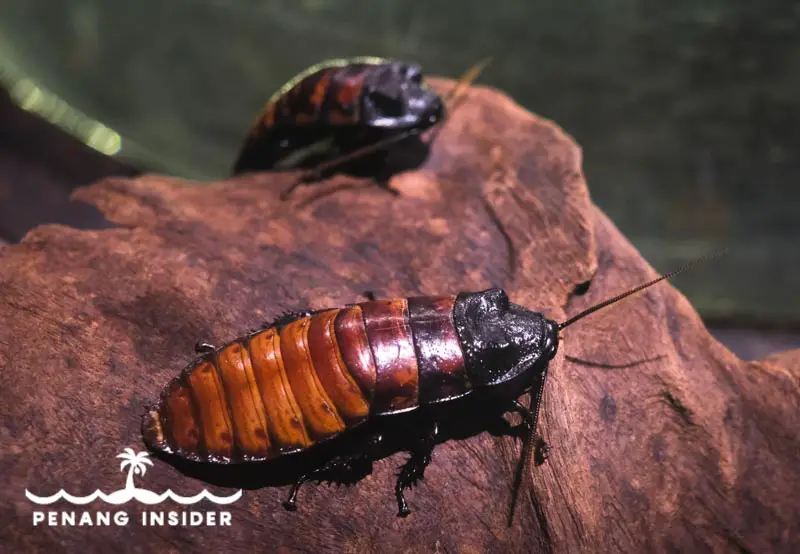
(362, 116)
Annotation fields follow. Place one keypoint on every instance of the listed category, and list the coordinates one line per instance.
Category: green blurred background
(688, 112)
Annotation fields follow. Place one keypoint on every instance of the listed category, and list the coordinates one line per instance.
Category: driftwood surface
(695, 451)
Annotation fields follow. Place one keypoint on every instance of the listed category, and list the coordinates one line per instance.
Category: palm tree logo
(137, 463)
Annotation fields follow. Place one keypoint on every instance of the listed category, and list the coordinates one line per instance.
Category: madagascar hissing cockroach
(314, 375)
(340, 111)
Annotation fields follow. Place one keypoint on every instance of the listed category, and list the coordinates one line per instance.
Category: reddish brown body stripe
(351, 336)
(332, 370)
(343, 102)
(331, 96)
(389, 335)
(442, 374)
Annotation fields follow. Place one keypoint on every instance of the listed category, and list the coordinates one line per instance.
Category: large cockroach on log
(346, 113)
(312, 376)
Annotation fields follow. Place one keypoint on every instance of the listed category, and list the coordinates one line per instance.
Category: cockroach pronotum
(342, 111)
(314, 375)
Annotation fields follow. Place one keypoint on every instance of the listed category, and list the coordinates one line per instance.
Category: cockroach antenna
(531, 414)
(634, 290)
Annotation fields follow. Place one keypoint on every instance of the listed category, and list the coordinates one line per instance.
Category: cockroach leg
(380, 184)
(345, 469)
(414, 469)
(500, 427)
(329, 192)
(204, 348)
(541, 450)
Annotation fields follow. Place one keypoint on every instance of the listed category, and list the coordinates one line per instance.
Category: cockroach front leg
(348, 468)
(541, 450)
(414, 469)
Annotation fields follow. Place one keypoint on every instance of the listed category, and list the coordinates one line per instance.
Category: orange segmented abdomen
(286, 388)
(279, 390)
(248, 415)
(208, 398)
(320, 416)
(286, 427)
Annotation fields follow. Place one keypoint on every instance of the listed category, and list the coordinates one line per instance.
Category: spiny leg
(500, 427)
(382, 184)
(541, 450)
(347, 468)
(531, 444)
(313, 198)
(414, 469)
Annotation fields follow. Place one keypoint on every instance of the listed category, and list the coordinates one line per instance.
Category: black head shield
(396, 98)
(503, 343)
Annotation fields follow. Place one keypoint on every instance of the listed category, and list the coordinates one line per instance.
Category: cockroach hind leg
(414, 469)
(304, 179)
(343, 470)
(500, 427)
(204, 348)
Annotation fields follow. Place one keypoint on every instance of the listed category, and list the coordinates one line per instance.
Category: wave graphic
(123, 496)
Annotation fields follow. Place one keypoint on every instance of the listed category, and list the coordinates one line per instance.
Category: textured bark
(693, 451)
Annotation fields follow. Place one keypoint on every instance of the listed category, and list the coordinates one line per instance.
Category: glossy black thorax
(506, 347)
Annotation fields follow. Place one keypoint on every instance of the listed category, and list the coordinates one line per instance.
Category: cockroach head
(503, 343)
(396, 97)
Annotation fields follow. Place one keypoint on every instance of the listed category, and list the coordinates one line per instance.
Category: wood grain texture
(694, 452)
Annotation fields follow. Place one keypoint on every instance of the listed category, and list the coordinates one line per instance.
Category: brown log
(695, 451)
